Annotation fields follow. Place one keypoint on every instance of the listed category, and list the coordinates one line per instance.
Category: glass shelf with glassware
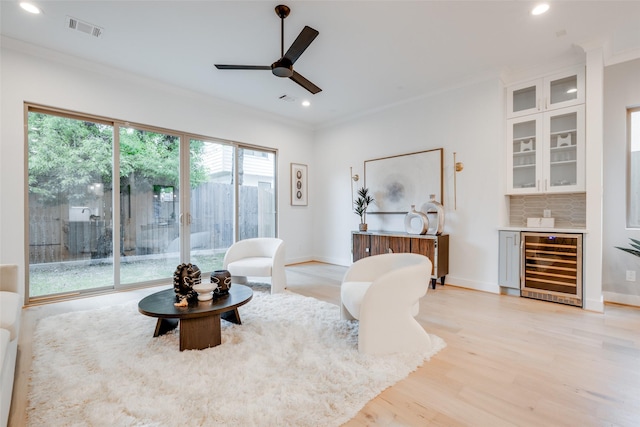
(546, 152)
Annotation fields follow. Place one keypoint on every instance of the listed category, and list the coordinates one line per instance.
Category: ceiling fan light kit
(283, 67)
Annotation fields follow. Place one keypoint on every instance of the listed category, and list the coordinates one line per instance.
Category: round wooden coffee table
(199, 323)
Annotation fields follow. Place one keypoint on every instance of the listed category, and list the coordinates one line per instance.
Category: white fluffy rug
(292, 362)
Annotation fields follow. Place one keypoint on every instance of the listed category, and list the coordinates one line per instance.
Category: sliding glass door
(70, 204)
(223, 177)
(256, 195)
(149, 205)
(179, 199)
(211, 215)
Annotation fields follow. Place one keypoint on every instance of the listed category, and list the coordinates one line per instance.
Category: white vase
(415, 222)
(435, 213)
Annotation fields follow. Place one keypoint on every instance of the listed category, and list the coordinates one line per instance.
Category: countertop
(546, 229)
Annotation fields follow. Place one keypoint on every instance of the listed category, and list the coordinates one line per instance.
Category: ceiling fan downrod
(282, 67)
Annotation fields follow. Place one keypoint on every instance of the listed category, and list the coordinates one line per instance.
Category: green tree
(66, 155)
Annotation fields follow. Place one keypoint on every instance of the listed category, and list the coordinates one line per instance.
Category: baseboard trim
(470, 284)
(625, 299)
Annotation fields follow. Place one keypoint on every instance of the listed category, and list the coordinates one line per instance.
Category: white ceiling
(369, 54)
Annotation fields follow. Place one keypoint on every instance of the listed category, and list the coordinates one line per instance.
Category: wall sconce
(457, 167)
(354, 178)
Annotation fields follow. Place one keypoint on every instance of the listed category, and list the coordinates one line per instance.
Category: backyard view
(74, 229)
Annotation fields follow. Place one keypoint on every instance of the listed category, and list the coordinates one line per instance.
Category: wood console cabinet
(436, 248)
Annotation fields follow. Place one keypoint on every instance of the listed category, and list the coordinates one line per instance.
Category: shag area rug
(292, 362)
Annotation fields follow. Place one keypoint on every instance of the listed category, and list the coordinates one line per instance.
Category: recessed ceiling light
(540, 9)
(29, 7)
(305, 103)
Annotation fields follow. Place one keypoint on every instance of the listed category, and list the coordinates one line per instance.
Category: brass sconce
(457, 167)
(354, 178)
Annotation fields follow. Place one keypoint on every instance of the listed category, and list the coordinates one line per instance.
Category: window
(114, 205)
(70, 210)
(633, 189)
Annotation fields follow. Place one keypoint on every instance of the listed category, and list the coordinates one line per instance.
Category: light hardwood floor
(509, 361)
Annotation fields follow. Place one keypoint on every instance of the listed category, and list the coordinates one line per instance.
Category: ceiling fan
(283, 67)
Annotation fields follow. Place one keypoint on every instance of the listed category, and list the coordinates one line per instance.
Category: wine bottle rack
(552, 267)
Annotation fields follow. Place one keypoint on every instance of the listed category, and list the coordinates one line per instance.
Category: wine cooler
(552, 267)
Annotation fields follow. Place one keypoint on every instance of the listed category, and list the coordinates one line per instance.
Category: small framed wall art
(298, 184)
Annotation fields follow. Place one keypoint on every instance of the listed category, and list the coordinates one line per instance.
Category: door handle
(188, 218)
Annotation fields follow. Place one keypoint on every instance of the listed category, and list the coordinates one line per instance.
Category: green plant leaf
(631, 251)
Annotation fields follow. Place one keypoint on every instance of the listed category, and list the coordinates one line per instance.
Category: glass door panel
(563, 150)
(256, 193)
(552, 267)
(149, 205)
(524, 99)
(563, 89)
(212, 203)
(70, 201)
(525, 154)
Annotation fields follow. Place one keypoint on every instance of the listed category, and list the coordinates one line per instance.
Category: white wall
(34, 75)
(621, 90)
(466, 120)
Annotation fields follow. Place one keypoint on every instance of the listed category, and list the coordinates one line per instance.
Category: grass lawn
(73, 276)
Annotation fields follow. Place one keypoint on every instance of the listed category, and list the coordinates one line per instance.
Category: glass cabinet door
(524, 98)
(525, 154)
(557, 91)
(564, 150)
(564, 89)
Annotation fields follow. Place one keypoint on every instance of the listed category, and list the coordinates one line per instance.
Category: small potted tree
(360, 207)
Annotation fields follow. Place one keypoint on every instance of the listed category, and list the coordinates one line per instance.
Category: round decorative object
(435, 212)
(204, 291)
(184, 278)
(222, 280)
(416, 222)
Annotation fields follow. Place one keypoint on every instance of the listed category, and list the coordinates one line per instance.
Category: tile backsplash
(569, 210)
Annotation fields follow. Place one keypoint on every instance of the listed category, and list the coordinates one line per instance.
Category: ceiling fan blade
(306, 36)
(296, 77)
(243, 67)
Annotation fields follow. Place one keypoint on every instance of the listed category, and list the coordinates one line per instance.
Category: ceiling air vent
(287, 98)
(84, 27)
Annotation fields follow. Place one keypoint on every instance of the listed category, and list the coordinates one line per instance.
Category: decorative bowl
(204, 290)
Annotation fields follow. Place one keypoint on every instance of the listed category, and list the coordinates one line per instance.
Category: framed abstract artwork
(397, 182)
(299, 196)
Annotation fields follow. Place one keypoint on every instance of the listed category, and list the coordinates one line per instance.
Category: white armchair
(382, 292)
(258, 257)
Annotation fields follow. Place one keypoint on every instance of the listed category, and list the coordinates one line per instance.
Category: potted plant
(361, 204)
(635, 247)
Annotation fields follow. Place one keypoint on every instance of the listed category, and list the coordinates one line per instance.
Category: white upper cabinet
(549, 93)
(546, 152)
